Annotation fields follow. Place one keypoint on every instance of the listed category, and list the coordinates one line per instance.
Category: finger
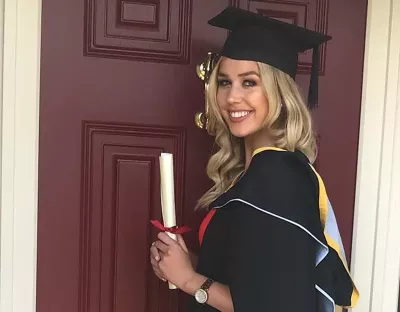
(160, 276)
(161, 246)
(156, 269)
(154, 264)
(154, 253)
(166, 239)
(181, 242)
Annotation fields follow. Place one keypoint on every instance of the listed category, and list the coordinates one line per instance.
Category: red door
(119, 86)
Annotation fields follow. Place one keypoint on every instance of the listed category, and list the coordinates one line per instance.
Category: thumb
(181, 242)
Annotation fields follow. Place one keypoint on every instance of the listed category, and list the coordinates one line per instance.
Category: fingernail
(164, 280)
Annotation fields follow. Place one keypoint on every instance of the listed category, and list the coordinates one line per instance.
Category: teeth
(238, 114)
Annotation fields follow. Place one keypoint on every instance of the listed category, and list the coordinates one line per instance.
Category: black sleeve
(273, 264)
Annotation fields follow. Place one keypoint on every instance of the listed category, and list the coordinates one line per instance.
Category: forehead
(236, 67)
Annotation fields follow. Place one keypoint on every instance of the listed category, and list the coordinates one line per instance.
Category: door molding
(376, 235)
(20, 28)
(376, 238)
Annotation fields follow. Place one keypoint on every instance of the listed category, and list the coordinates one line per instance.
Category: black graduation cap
(260, 38)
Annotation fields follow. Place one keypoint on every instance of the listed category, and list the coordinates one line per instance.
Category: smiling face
(241, 97)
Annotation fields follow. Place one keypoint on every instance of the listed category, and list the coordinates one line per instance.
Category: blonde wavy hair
(289, 125)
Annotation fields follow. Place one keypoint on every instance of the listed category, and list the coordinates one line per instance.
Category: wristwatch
(201, 294)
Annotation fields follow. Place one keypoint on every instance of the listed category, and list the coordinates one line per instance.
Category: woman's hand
(174, 264)
(193, 259)
(154, 260)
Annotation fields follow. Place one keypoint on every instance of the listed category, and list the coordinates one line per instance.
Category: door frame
(376, 239)
(376, 234)
(20, 62)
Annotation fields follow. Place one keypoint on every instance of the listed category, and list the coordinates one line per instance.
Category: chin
(241, 133)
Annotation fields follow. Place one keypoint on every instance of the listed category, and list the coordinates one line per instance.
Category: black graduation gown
(264, 239)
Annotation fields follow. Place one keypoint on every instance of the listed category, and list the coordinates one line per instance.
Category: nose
(235, 94)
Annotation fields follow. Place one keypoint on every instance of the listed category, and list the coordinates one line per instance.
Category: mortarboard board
(259, 38)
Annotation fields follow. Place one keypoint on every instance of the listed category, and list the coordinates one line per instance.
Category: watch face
(201, 296)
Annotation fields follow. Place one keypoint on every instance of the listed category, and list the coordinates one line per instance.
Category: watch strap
(207, 284)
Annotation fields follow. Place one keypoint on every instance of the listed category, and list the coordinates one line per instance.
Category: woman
(270, 240)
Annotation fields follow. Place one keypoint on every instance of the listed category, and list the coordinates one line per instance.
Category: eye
(223, 82)
(249, 83)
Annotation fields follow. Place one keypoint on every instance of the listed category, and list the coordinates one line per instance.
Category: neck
(255, 141)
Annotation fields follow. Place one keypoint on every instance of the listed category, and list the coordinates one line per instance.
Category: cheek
(221, 99)
(266, 107)
(263, 105)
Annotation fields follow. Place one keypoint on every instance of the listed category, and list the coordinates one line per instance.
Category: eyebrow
(252, 72)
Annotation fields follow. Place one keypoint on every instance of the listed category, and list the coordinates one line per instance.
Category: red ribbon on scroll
(174, 229)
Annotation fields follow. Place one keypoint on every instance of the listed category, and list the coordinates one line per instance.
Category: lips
(238, 116)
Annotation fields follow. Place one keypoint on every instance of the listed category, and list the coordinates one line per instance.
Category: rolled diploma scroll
(168, 195)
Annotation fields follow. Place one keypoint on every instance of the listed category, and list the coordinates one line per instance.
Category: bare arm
(175, 264)
(261, 280)
(219, 295)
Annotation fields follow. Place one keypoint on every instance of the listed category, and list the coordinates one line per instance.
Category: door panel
(120, 195)
(119, 86)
